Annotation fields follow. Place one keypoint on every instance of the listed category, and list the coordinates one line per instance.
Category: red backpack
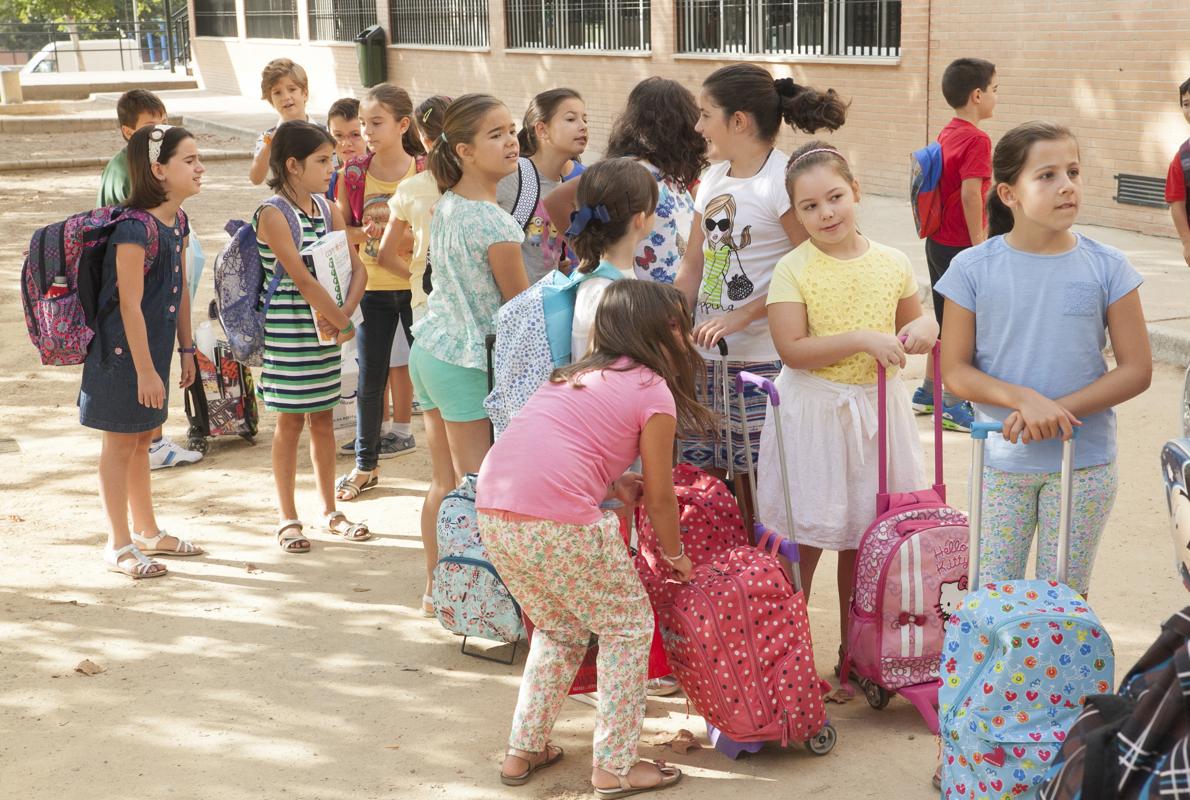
(355, 179)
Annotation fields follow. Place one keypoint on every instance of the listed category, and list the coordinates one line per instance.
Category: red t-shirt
(966, 153)
(1175, 181)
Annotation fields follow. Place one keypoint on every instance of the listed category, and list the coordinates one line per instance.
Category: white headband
(156, 137)
(830, 150)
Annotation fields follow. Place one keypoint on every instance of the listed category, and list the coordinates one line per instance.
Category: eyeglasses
(724, 224)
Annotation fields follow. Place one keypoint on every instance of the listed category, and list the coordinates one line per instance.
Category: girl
(300, 377)
(126, 373)
(658, 129)
(616, 199)
(553, 137)
(477, 267)
(562, 558)
(1024, 331)
(369, 182)
(743, 224)
(836, 306)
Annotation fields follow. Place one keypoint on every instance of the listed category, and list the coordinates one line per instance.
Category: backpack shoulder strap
(420, 163)
(324, 208)
(528, 192)
(150, 223)
(295, 228)
(355, 178)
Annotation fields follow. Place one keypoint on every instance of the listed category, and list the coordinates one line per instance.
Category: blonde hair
(726, 204)
(279, 69)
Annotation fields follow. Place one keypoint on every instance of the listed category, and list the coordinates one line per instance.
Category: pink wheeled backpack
(910, 575)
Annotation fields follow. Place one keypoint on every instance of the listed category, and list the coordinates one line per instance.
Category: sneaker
(393, 445)
(923, 401)
(662, 687)
(958, 417)
(166, 453)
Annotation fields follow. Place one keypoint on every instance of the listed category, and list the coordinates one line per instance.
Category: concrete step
(65, 123)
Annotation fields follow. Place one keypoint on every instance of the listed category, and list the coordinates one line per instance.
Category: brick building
(1107, 68)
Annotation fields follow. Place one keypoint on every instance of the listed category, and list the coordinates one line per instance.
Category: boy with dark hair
(1175, 179)
(969, 86)
(344, 124)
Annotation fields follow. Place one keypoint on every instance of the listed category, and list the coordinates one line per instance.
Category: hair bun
(787, 87)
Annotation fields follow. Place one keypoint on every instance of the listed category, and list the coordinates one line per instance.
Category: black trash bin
(369, 50)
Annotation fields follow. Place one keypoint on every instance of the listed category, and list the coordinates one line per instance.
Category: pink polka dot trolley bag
(738, 639)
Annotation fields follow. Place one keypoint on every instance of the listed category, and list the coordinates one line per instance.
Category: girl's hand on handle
(1038, 418)
(682, 568)
(150, 390)
(189, 370)
(710, 332)
(920, 335)
(885, 348)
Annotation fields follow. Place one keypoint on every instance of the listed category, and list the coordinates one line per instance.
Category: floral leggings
(1017, 503)
(572, 581)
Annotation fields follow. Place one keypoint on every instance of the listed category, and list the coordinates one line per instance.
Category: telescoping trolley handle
(723, 370)
(979, 432)
(883, 498)
(765, 385)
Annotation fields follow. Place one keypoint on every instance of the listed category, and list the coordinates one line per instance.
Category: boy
(1175, 180)
(344, 124)
(135, 109)
(969, 86)
(283, 84)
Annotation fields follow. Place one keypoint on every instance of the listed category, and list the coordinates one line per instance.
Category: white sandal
(150, 545)
(293, 543)
(353, 532)
(144, 567)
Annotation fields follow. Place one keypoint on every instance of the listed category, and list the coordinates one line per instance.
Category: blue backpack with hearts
(1019, 660)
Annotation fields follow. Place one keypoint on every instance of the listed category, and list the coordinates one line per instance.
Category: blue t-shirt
(1041, 322)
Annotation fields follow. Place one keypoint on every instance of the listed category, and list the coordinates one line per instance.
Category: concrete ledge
(66, 123)
(210, 126)
(1170, 345)
(68, 91)
(101, 161)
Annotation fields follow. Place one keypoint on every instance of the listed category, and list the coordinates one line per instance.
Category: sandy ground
(315, 676)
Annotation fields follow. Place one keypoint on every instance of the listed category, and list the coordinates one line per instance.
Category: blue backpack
(469, 597)
(533, 336)
(239, 279)
(925, 197)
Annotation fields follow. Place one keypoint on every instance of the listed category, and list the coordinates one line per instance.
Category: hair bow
(156, 137)
(579, 220)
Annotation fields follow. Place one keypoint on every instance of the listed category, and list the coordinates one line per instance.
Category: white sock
(403, 428)
(386, 427)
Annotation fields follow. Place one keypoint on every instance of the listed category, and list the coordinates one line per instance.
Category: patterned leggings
(1017, 503)
(572, 581)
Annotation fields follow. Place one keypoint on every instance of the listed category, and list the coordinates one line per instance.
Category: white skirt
(831, 451)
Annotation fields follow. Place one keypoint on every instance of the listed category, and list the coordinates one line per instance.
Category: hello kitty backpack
(910, 575)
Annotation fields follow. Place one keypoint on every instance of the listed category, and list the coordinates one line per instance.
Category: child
(1175, 180)
(136, 109)
(284, 86)
(477, 267)
(300, 377)
(561, 556)
(344, 124)
(123, 390)
(369, 183)
(553, 137)
(742, 225)
(616, 198)
(836, 307)
(1024, 333)
(969, 86)
(658, 129)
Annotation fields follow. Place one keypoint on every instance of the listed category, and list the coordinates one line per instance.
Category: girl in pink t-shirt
(562, 557)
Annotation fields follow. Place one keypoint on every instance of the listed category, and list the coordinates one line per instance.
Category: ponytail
(752, 90)
(398, 103)
(1000, 219)
(806, 109)
(620, 188)
(460, 124)
(542, 108)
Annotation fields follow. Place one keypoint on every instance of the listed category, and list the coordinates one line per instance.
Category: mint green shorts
(457, 392)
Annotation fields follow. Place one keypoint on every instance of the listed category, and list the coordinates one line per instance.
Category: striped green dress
(299, 376)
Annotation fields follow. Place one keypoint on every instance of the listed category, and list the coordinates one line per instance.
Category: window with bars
(621, 25)
(340, 20)
(215, 18)
(790, 27)
(444, 23)
(271, 19)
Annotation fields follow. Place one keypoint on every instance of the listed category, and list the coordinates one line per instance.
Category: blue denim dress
(107, 399)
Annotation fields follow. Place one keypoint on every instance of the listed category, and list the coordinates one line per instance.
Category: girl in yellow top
(836, 306)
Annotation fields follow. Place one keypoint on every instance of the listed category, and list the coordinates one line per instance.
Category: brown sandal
(523, 778)
(669, 777)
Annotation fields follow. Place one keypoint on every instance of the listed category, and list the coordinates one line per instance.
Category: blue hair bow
(581, 218)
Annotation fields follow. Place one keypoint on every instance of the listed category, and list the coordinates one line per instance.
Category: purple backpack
(239, 279)
(72, 251)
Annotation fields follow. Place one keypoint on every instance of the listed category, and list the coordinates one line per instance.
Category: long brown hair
(399, 104)
(147, 191)
(460, 125)
(751, 89)
(657, 126)
(637, 320)
(624, 188)
(1012, 151)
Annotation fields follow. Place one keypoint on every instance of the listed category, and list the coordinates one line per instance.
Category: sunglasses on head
(723, 224)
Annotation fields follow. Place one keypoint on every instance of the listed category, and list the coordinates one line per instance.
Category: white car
(87, 55)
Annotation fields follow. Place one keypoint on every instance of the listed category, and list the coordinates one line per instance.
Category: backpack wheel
(823, 741)
(197, 443)
(876, 696)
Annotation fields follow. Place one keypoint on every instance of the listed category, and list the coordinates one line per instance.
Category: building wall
(1107, 68)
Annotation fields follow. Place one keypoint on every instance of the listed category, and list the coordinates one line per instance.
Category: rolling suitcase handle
(979, 432)
(724, 371)
(761, 533)
(882, 496)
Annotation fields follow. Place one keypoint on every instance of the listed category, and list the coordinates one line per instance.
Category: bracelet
(681, 553)
(187, 350)
(350, 327)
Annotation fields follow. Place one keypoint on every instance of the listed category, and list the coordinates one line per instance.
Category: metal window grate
(445, 23)
(1140, 190)
(270, 19)
(215, 18)
(340, 20)
(790, 27)
(621, 25)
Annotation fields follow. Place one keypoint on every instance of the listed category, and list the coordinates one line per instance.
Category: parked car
(1175, 469)
(88, 55)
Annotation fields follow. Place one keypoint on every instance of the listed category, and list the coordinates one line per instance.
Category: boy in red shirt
(969, 86)
(1175, 180)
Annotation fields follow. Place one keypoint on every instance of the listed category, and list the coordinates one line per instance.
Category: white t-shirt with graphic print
(743, 241)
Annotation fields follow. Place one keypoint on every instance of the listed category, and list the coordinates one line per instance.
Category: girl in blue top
(1024, 329)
